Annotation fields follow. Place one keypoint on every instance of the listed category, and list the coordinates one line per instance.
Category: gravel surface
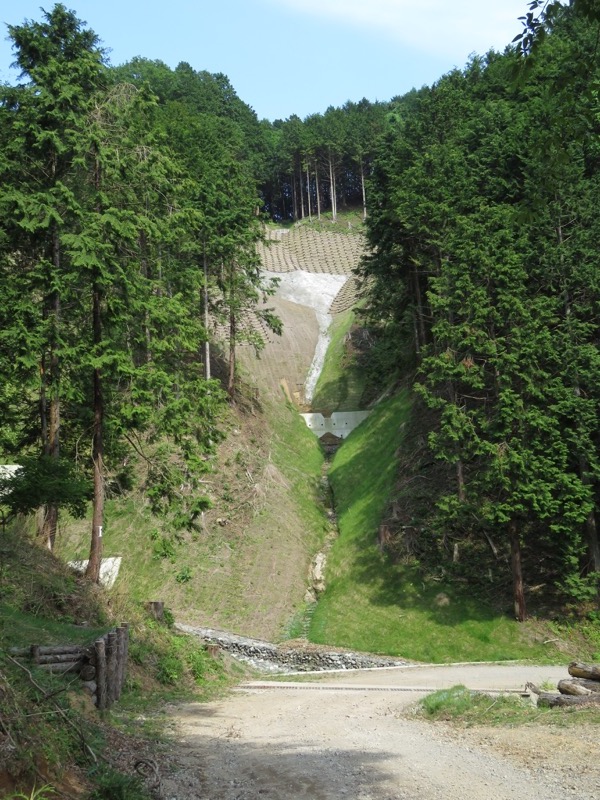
(354, 737)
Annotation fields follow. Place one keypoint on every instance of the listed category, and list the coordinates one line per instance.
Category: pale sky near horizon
(287, 57)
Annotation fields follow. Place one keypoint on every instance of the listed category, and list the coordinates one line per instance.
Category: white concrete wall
(340, 423)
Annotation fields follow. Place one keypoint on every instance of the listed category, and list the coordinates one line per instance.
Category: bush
(112, 785)
(170, 669)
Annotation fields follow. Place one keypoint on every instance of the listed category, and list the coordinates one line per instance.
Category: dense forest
(132, 199)
(483, 234)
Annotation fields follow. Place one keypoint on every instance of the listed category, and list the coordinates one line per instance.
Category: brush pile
(581, 689)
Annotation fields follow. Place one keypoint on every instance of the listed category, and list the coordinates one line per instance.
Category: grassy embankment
(245, 567)
(342, 381)
(375, 605)
(50, 733)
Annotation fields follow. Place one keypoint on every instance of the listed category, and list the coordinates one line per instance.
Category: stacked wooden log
(581, 689)
(102, 666)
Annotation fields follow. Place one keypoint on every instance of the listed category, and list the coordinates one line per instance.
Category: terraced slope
(302, 247)
(288, 358)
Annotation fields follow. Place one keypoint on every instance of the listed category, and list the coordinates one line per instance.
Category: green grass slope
(246, 567)
(341, 384)
(372, 604)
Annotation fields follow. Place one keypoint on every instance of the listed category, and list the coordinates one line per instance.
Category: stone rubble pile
(271, 658)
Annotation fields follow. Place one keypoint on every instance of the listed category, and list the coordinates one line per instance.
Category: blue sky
(288, 57)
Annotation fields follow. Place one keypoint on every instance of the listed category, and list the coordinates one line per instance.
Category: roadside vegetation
(50, 733)
(463, 707)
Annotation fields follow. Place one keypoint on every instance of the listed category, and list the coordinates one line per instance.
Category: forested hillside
(129, 217)
(133, 199)
(484, 283)
(138, 204)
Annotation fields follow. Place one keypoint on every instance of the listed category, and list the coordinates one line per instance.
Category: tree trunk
(460, 481)
(591, 530)
(143, 245)
(302, 212)
(590, 526)
(52, 441)
(95, 559)
(420, 314)
(332, 188)
(232, 332)
(318, 191)
(294, 197)
(364, 191)
(308, 192)
(334, 196)
(206, 318)
(231, 375)
(517, 572)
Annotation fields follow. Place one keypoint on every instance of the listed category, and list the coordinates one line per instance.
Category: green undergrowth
(264, 523)
(348, 221)
(461, 706)
(49, 728)
(342, 380)
(375, 605)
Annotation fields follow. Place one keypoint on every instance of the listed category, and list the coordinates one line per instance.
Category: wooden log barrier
(100, 659)
(46, 650)
(120, 656)
(111, 668)
(61, 667)
(102, 667)
(123, 634)
(88, 672)
(59, 659)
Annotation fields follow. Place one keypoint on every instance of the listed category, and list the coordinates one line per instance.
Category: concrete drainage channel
(359, 687)
(281, 659)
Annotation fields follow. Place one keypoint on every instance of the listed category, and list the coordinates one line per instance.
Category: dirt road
(352, 736)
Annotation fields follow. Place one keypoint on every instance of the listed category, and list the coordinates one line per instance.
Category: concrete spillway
(339, 424)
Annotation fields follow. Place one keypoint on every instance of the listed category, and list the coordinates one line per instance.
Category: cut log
(572, 687)
(589, 671)
(157, 609)
(100, 663)
(60, 659)
(548, 700)
(88, 672)
(111, 668)
(593, 686)
(19, 651)
(551, 700)
(69, 666)
(47, 650)
(64, 649)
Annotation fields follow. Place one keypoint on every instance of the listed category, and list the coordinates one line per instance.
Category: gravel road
(351, 735)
